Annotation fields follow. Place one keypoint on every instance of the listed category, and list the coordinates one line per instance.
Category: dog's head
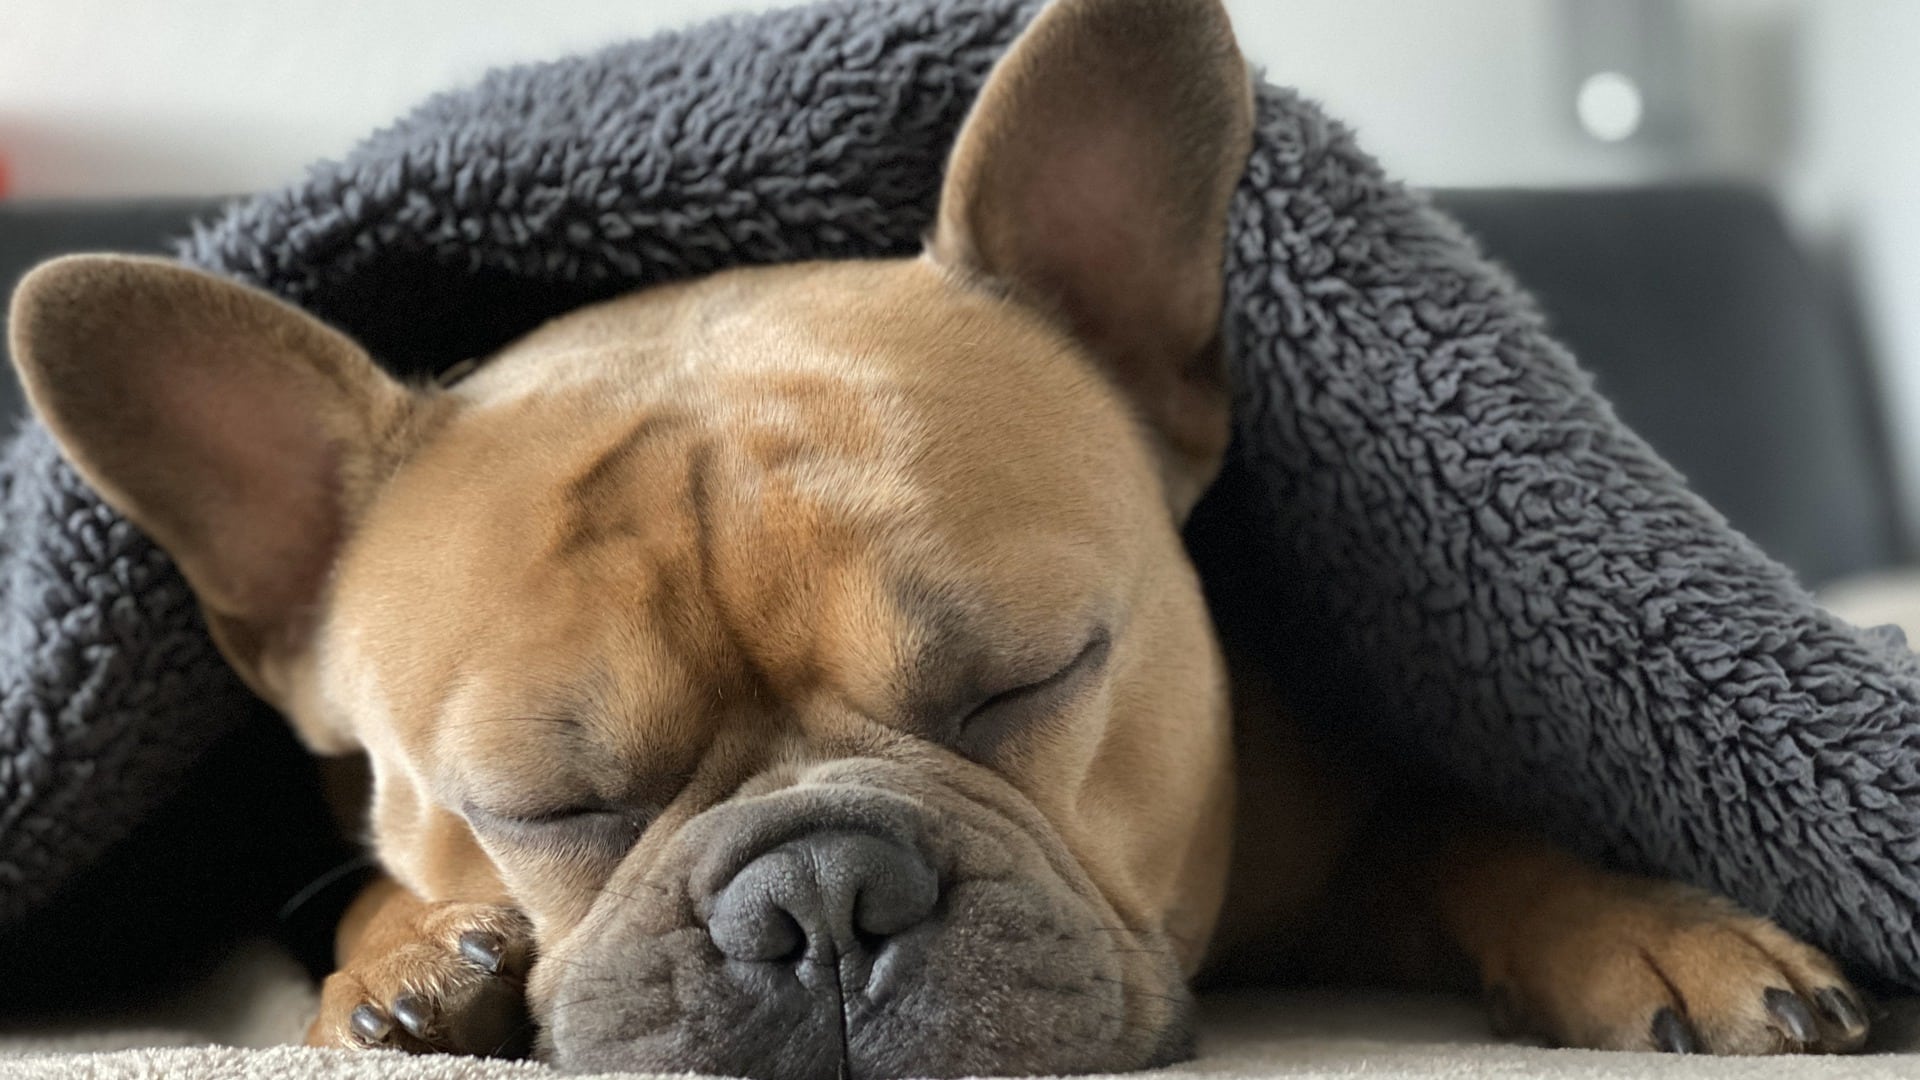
(810, 651)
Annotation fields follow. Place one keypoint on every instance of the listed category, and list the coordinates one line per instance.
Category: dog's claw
(1795, 1019)
(1840, 1008)
(455, 983)
(1672, 1035)
(483, 950)
(371, 1024)
(412, 1012)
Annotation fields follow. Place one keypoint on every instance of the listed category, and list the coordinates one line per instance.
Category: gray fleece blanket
(1431, 526)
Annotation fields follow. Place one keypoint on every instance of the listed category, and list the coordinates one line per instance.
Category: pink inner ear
(1088, 229)
(1101, 224)
(261, 473)
(1100, 239)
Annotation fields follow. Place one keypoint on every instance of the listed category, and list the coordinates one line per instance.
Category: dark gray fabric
(1444, 537)
(109, 687)
(1431, 525)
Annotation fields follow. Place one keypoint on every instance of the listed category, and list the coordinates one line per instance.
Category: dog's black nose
(825, 896)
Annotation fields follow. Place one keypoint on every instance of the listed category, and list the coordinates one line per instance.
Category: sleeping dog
(797, 672)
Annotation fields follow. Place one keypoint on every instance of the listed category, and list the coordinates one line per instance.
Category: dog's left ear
(1093, 179)
(241, 434)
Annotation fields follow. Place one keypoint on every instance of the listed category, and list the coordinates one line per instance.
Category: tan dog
(798, 673)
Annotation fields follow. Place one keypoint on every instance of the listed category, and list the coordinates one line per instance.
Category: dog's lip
(1165, 1042)
(848, 799)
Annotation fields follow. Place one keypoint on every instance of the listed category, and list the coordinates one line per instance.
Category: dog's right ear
(240, 433)
(1092, 179)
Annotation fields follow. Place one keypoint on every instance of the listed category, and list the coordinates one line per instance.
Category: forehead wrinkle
(626, 731)
(796, 479)
(800, 488)
(698, 497)
(473, 711)
(596, 479)
(597, 503)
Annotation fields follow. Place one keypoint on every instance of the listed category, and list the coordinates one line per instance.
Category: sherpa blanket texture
(1431, 526)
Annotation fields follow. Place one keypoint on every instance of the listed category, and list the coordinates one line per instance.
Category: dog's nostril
(895, 895)
(827, 894)
(749, 919)
(786, 941)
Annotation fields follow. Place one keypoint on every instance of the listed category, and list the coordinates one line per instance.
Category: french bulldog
(797, 672)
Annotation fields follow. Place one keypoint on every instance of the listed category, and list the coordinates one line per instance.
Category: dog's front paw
(1663, 967)
(455, 985)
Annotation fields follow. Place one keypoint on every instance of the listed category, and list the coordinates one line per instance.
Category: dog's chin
(1013, 970)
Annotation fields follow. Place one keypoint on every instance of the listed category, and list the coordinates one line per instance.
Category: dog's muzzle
(838, 930)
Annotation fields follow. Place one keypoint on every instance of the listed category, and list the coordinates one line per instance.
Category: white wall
(112, 97)
(1854, 182)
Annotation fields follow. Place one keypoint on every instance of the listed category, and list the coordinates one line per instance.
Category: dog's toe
(458, 987)
(484, 1017)
(370, 1024)
(1671, 1034)
(1678, 971)
(1842, 1014)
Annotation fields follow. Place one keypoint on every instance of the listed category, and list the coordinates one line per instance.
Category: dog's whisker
(631, 898)
(523, 1028)
(562, 722)
(563, 961)
(590, 999)
(1141, 991)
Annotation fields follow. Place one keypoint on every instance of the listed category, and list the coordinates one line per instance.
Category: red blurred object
(6, 178)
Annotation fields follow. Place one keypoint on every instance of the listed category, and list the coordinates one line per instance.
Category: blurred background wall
(192, 96)
(1812, 99)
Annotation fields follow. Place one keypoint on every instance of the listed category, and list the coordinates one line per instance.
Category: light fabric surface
(261, 999)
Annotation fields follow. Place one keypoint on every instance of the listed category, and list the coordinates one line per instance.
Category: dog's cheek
(431, 850)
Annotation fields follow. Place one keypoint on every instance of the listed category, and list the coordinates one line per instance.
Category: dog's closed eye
(1000, 713)
(577, 830)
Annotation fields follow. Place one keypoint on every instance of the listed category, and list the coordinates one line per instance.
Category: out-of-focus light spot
(1610, 106)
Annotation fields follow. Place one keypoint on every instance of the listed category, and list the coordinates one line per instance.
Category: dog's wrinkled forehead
(849, 483)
